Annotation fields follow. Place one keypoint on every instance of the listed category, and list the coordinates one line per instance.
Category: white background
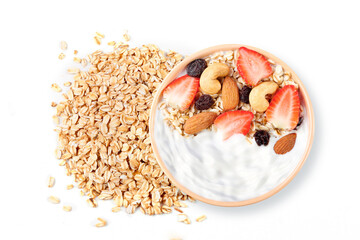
(318, 39)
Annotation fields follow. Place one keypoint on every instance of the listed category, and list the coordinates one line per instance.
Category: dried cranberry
(196, 67)
(244, 94)
(204, 102)
(262, 137)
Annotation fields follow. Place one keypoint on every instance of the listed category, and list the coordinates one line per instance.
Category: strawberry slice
(284, 109)
(234, 122)
(252, 66)
(181, 92)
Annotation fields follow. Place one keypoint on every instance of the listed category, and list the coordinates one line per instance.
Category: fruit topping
(285, 144)
(244, 94)
(284, 109)
(199, 122)
(262, 137)
(204, 102)
(230, 94)
(209, 82)
(196, 67)
(234, 122)
(181, 92)
(257, 97)
(252, 66)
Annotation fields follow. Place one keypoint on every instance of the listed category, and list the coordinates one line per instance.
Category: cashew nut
(258, 94)
(208, 80)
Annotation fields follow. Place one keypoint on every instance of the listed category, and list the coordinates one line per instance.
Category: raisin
(196, 67)
(301, 119)
(204, 102)
(262, 137)
(244, 94)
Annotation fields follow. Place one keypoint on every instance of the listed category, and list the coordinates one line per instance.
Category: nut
(285, 144)
(209, 82)
(258, 94)
(199, 122)
(230, 94)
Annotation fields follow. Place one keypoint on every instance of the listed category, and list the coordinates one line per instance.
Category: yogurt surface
(231, 170)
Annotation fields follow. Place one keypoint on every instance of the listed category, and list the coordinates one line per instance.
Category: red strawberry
(284, 109)
(234, 122)
(181, 92)
(252, 66)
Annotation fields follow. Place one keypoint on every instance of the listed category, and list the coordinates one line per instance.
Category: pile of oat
(103, 132)
(176, 118)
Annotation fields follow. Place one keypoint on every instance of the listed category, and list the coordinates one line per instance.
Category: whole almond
(285, 144)
(230, 94)
(199, 122)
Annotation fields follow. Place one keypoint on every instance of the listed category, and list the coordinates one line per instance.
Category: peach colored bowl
(201, 54)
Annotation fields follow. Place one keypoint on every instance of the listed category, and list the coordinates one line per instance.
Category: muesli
(235, 92)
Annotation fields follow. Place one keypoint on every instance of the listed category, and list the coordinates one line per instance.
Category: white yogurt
(231, 170)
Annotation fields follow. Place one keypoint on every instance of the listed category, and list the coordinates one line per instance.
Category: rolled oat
(104, 134)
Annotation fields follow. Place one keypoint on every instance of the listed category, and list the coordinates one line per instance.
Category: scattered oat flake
(62, 163)
(84, 62)
(92, 202)
(126, 37)
(112, 43)
(100, 35)
(56, 87)
(201, 218)
(67, 84)
(77, 60)
(63, 45)
(76, 52)
(97, 40)
(183, 204)
(116, 209)
(70, 186)
(178, 209)
(102, 222)
(73, 70)
(54, 200)
(53, 104)
(61, 56)
(183, 218)
(51, 182)
(67, 208)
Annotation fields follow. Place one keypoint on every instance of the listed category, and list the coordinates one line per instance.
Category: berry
(234, 122)
(244, 94)
(252, 66)
(284, 109)
(181, 92)
(262, 137)
(196, 67)
(204, 102)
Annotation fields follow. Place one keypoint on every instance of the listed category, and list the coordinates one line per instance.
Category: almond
(199, 122)
(230, 94)
(285, 144)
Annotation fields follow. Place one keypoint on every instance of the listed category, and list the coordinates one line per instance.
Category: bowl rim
(204, 53)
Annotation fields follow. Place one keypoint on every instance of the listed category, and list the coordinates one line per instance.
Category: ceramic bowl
(202, 54)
